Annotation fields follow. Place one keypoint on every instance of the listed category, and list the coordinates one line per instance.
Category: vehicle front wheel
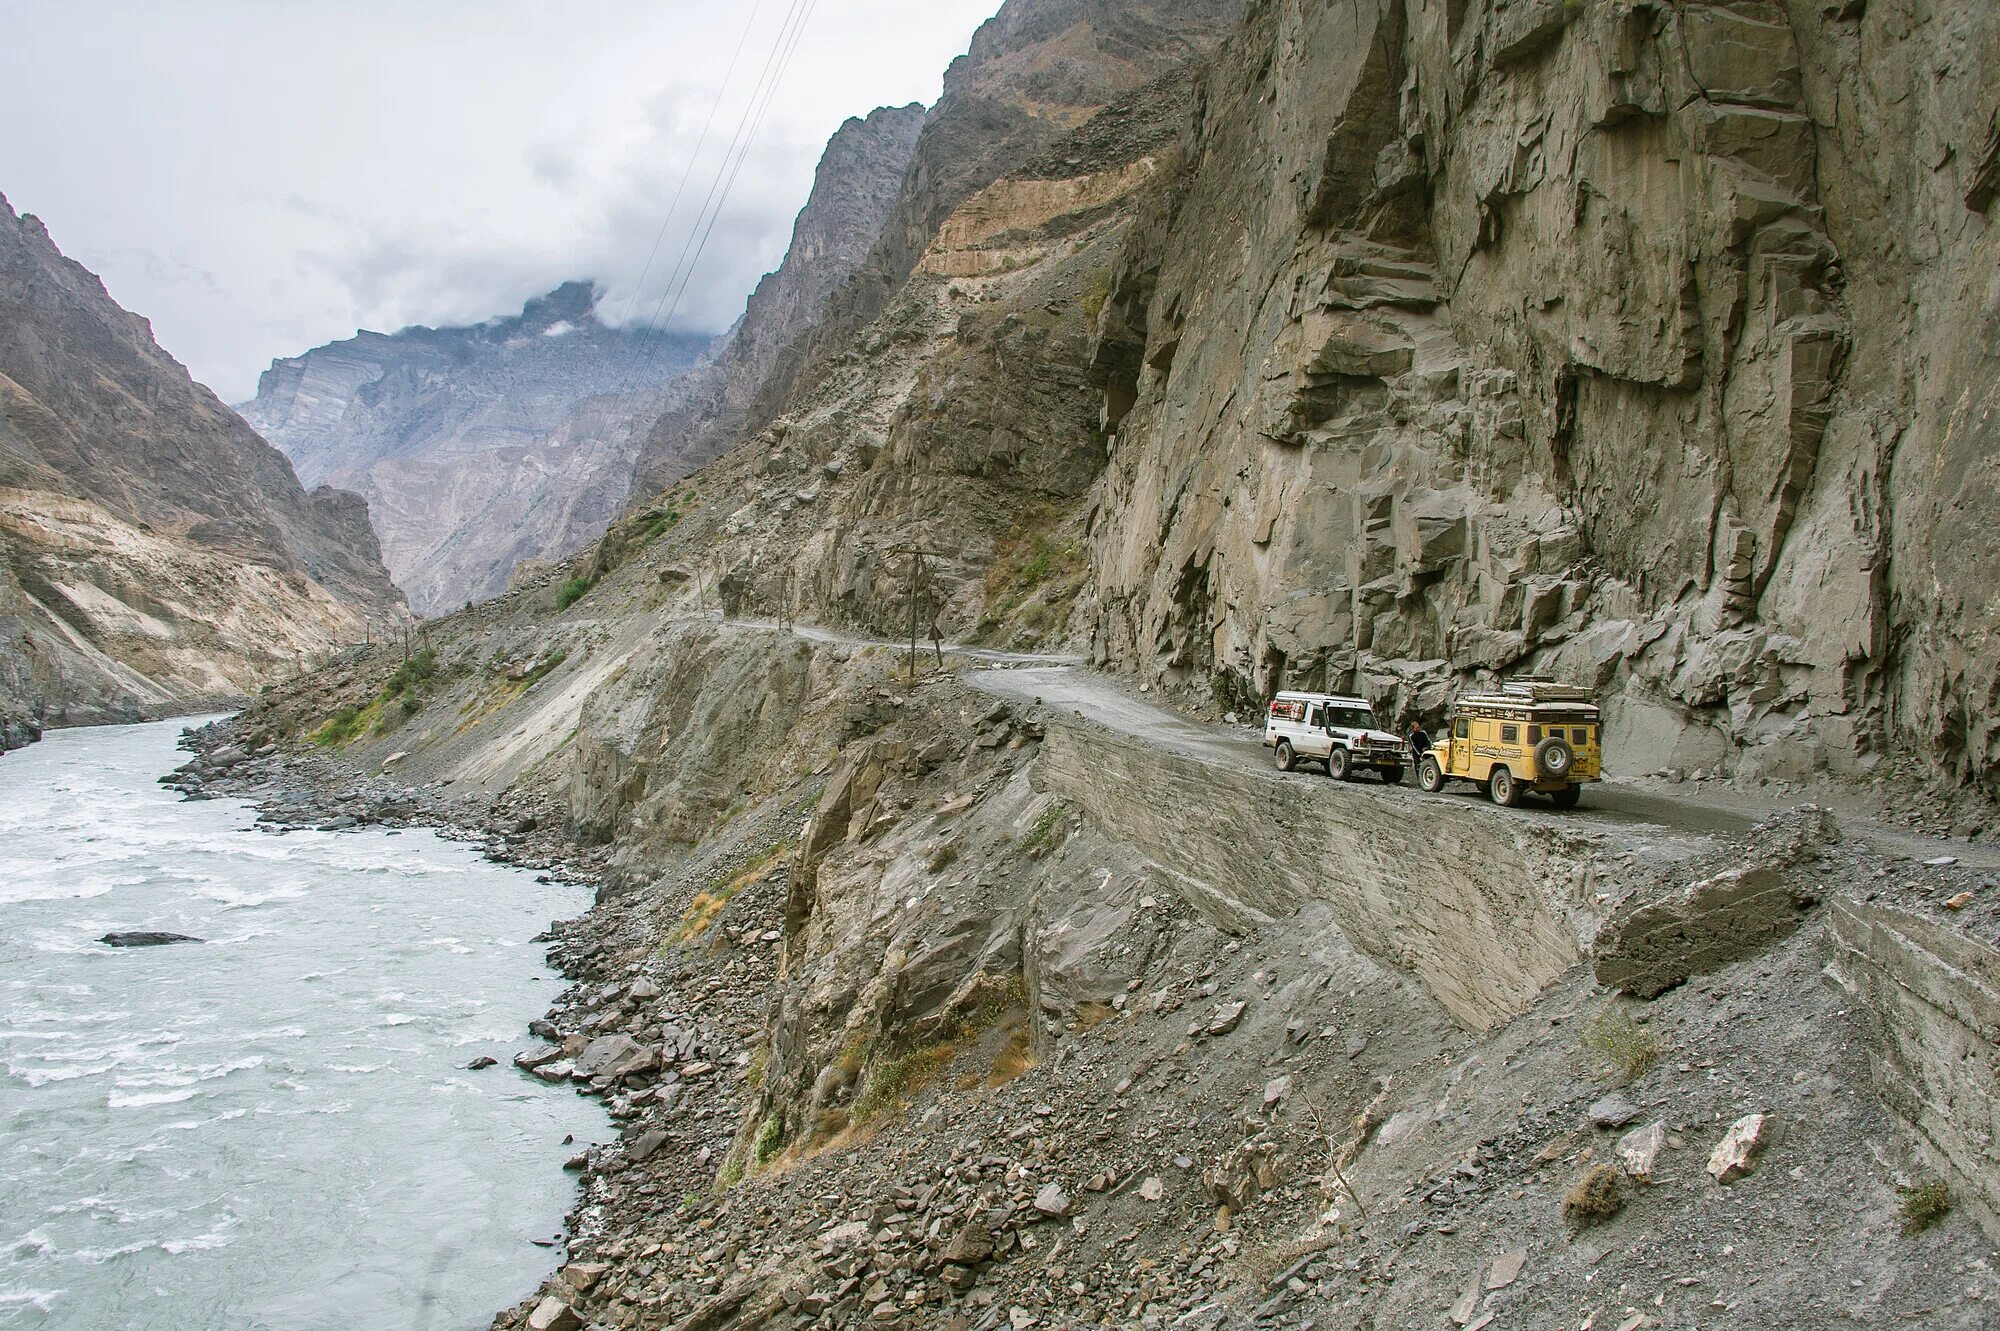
(1336, 763)
(1501, 786)
(1567, 797)
(1392, 776)
(1285, 758)
(1430, 776)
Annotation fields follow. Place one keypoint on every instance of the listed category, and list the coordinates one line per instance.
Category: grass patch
(895, 1083)
(345, 726)
(1626, 1048)
(770, 1139)
(898, 1081)
(657, 526)
(1594, 1198)
(1043, 834)
(1095, 294)
(1925, 1205)
(708, 906)
(543, 669)
(401, 696)
(572, 591)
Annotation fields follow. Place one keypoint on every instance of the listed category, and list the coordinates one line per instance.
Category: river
(274, 1128)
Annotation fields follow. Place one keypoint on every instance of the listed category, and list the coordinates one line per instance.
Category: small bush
(1096, 294)
(340, 728)
(770, 1139)
(1925, 1205)
(1594, 1198)
(1628, 1049)
(543, 669)
(572, 592)
(1043, 833)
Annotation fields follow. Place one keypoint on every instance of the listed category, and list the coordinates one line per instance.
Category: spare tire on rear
(1554, 757)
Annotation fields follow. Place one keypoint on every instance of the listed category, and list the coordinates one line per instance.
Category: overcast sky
(261, 176)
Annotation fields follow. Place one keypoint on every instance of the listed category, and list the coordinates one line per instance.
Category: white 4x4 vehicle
(1332, 729)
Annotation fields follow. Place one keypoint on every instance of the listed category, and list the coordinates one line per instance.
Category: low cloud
(258, 180)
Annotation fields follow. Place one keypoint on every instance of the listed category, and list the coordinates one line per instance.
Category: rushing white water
(272, 1128)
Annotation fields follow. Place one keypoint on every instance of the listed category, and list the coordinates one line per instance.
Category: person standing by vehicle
(1420, 744)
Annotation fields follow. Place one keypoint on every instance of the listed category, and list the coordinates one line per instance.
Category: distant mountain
(745, 378)
(154, 552)
(476, 447)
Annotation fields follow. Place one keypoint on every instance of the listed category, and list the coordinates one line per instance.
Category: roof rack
(1546, 690)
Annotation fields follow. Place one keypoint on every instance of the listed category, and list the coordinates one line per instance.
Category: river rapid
(273, 1128)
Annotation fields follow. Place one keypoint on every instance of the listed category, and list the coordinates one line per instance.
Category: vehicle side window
(1458, 728)
(1535, 734)
(1510, 734)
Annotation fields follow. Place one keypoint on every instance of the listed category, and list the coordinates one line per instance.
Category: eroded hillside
(154, 552)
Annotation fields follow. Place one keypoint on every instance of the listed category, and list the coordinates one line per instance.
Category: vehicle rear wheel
(1430, 776)
(1503, 789)
(1392, 776)
(1336, 763)
(1567, 797)
(1285, 758)
(1554, 758)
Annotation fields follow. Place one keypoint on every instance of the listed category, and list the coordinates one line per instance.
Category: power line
(747, 128)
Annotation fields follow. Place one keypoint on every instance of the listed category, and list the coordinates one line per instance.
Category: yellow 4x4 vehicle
(1529, 736)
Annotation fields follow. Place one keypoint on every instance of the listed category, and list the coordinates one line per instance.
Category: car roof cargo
(1344, 700)
(1535, 693)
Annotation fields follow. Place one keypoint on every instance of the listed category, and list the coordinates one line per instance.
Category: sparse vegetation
(1096, 294)
(1626, 1048)
(1034, 576)
(401, 696)
(543, 669)
(707, 906)
(343, 727)
(1924, 1205)
(656, 526)
(1594, 1198)
(900, 1079)
(1042, 834)
(770, 1139)
(572, 591)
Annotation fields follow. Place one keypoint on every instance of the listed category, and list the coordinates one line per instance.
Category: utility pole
(916, 554)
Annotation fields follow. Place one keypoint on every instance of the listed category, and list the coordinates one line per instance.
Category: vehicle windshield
(1350, 718)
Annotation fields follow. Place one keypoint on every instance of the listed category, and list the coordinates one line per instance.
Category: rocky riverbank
(912, 1040)
(17, 732)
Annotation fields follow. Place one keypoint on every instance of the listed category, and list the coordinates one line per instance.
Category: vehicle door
(1313, 743)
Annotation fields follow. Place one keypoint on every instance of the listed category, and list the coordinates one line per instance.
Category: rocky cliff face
(1435, 344)
(751, 370)
(476, 447)
(1600, 341)
(154, 552)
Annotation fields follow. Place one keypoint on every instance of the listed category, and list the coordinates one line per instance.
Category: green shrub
(572, 592)
(1628, 1049)
(770, 1139)
(1096, 294)
(1925, 1205)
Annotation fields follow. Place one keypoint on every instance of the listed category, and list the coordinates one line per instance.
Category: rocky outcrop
(154, 552)
(476, 447)
(746, 377)
(1579, 340)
